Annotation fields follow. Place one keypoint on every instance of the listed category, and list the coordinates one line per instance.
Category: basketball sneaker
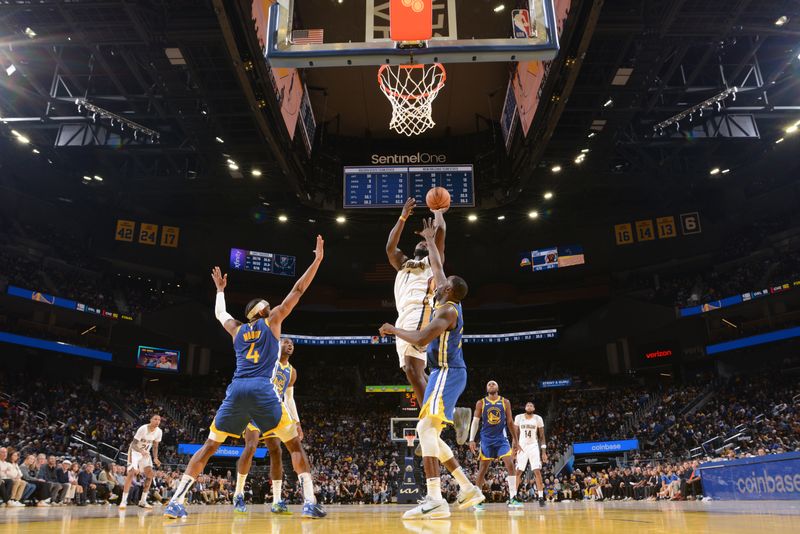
(462, 417)
(145, 505)
(514, 503)
(471, 497)
(313, 510)
(174, 511)
(541, 502)
(239, 504)
(280, 508)
(429, 509)
(479, 507)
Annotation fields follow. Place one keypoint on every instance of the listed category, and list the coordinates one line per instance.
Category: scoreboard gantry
(390, 186)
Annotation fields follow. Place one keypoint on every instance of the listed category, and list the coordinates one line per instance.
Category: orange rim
(395, 94)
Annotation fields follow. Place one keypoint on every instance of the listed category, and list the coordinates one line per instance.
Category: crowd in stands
(52, 431)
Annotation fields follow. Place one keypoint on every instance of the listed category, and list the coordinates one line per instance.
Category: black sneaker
(541, 501)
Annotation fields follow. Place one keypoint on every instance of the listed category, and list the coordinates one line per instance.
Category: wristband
(403, 218)
(543, 446)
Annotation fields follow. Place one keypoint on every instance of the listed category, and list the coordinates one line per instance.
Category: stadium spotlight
(725, 171)
(98, 178)
(556, 168)
(341, 219)
(233, 166)
(533, 214)
(783, 19)
(87, 178)
(499, 8)
(283, 218)
(472, 217)
(584, 150)
(35, 150)
(501, 217)
(779, 141)
(608, 103)
(714, 171)
(591, 135)
(256, 173)
(219, 140)
(548, 195)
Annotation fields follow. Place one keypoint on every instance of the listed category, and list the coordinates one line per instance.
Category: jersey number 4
(252, 354)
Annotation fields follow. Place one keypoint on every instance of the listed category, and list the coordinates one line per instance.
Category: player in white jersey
(413, 296)
(532, 447)
(139, 459)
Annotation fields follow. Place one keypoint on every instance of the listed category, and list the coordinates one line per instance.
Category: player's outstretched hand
(319, 251)
(440, 211)
(386, 330)
(473, 447)
(408, 207)
(157, 462)
(299, 432)
(544, 457)
(220, 280)
(428, 229)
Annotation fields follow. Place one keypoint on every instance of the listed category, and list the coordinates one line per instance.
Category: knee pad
(428, 437)
(445, 452)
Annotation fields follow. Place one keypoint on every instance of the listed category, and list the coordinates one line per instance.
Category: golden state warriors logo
(416, 5)
(493, 416)
(280, 382)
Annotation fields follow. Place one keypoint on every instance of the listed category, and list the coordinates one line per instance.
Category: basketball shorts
(285, 431)
(529, 453)
(139, 461)
(411, 318)
(445, 386)
(495, 449)
(246, 400)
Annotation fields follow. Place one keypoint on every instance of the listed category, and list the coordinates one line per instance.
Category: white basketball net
(411, 89)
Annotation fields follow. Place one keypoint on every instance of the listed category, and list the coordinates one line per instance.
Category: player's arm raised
(441, 230)
(281, 311)
(444, 319)
(291, 407)
(393, 252)
(429, 233)
(542, 443)
(228, 322)
(476, 422)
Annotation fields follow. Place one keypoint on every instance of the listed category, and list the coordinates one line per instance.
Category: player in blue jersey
(445, 384)
(493, 416)
(251, 395)
(285, 377)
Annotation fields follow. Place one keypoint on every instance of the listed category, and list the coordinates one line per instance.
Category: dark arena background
(624, 191)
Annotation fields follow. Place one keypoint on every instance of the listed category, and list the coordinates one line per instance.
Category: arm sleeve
(219, 308)
(291, 407)
(473, 429)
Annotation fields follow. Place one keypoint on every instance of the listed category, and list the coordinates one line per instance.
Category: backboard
(308, 33)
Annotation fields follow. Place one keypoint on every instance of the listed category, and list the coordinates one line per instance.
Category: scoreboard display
(390, 186)
(262, 262)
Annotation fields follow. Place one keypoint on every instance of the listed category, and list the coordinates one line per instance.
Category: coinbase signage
(763, 478)
(225, 451)
(605, 447)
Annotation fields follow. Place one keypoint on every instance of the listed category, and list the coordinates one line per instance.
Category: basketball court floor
(615, 517)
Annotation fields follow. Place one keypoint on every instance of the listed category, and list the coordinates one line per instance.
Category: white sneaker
(429, 509)
(17, 504)
(462, 417)
(43, 503)
(145, 504)
(471, 497)
(123, 505)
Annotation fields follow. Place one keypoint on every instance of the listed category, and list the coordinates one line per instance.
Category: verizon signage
(658, 354)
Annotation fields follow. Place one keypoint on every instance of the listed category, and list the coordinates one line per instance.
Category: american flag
(302, 37)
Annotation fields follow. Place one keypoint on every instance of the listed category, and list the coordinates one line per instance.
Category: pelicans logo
(493, 416)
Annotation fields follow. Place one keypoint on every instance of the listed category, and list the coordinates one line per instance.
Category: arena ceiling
(193, 72)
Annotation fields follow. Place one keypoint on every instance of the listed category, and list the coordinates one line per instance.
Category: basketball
(438, 198)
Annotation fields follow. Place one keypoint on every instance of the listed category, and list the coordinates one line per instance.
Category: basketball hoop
(411, 89)
(410, 438)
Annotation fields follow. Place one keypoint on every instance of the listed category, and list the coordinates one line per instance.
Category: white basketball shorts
(138, 461)
(410, 319)
(529, 453)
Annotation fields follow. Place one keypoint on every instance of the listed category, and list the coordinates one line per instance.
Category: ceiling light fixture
(219, 140)
(715, 100)
(725, 171)
(98, 178)
(591, 135)
(256, 173)
(11, 69)
(87, 178)
(472, 217)
(779, 141)
(35, 150)
(714, 171)
(556, 168)
(548, 195)
(791, 129)
(608, 103)
(97, 112)
(341, 219)
(233, 166)
(501, 217)
(584, 150)
(283, 218)
(783, 19)
(533, 214)
(30, 33)
(499, 8)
